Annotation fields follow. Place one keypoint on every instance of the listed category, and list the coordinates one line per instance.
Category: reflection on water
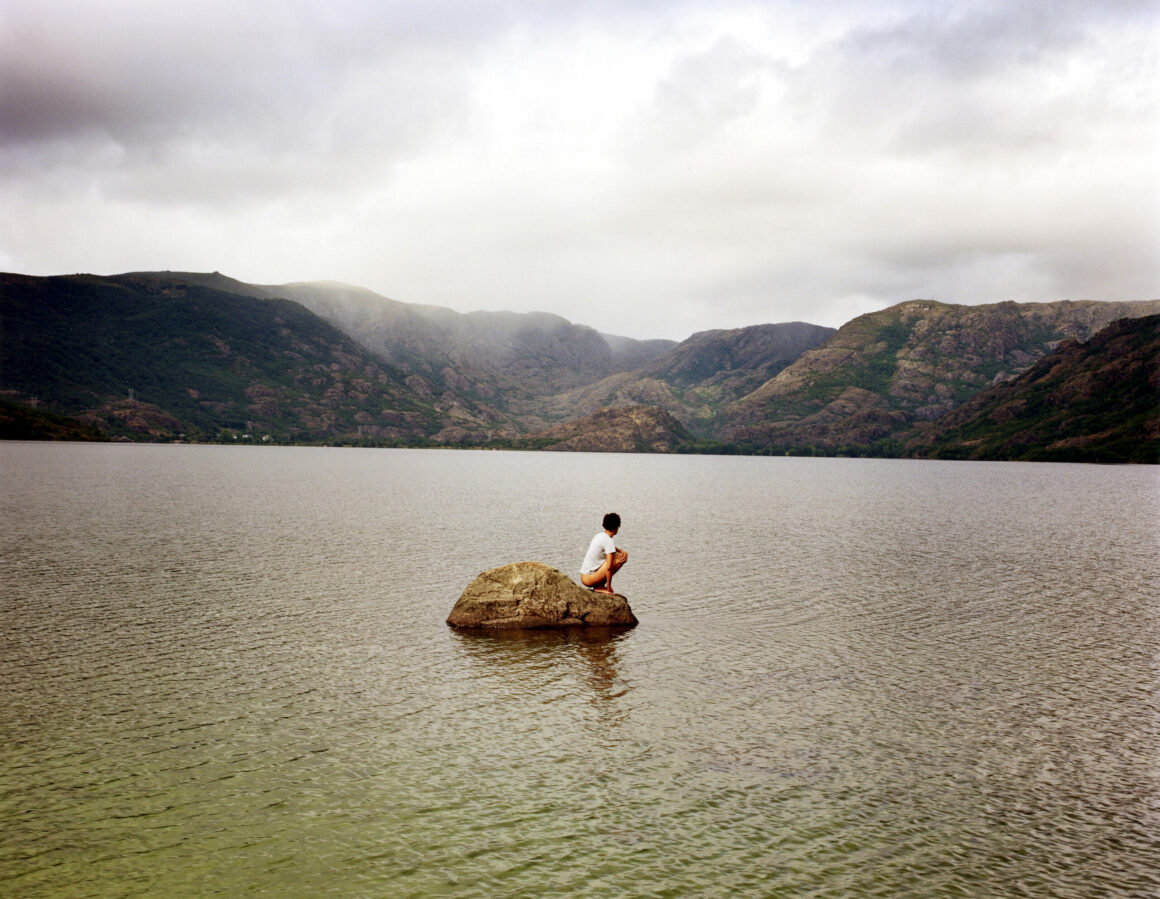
(509, 665)
(226, 670)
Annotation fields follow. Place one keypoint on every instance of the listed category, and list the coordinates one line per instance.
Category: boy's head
(612, 522)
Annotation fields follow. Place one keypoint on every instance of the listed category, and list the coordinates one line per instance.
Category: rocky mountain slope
(162, 355)
(1093, 402)
(485, 371)
(628, 429)
(882, 373)
(701, 375)
(157, 359)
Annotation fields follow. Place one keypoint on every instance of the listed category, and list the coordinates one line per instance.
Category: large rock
(535, 595)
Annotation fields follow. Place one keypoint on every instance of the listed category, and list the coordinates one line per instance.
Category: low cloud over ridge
(646, 168)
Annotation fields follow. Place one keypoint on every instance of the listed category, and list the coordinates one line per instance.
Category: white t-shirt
(600, 546)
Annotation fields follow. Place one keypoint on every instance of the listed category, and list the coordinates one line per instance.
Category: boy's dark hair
(612, 522)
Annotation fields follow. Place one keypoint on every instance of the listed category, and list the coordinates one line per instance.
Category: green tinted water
(226, 670)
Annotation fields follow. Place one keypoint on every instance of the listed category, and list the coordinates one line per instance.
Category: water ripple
(226, 670)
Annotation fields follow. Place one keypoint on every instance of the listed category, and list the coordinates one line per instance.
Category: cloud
(663, 167)
(201, 102)
(968, 157)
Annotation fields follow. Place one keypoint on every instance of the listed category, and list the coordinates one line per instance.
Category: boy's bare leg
(600, 580)
(594, 580)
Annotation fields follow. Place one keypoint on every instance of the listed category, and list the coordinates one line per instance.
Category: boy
(603, 559)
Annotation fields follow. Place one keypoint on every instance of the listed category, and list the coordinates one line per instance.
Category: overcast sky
(648, 168)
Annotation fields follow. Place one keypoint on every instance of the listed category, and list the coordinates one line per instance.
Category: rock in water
(535, 595)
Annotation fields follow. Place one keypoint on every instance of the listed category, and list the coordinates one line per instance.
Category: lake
(226, 669)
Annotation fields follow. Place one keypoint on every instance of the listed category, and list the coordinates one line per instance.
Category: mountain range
(164, 355)
(884, 373)
(1085, 402)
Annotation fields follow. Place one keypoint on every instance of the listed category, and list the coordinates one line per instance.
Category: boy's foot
(603, 590)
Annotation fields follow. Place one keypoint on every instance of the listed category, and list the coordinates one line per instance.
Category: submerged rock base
(535, 595)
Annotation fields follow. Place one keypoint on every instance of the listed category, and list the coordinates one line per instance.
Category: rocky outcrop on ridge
(535, 595)
(697, 378)
(1086, 402)
(633, 429)
(882, 373)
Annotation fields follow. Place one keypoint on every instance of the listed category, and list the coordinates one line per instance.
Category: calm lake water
(226, 669)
